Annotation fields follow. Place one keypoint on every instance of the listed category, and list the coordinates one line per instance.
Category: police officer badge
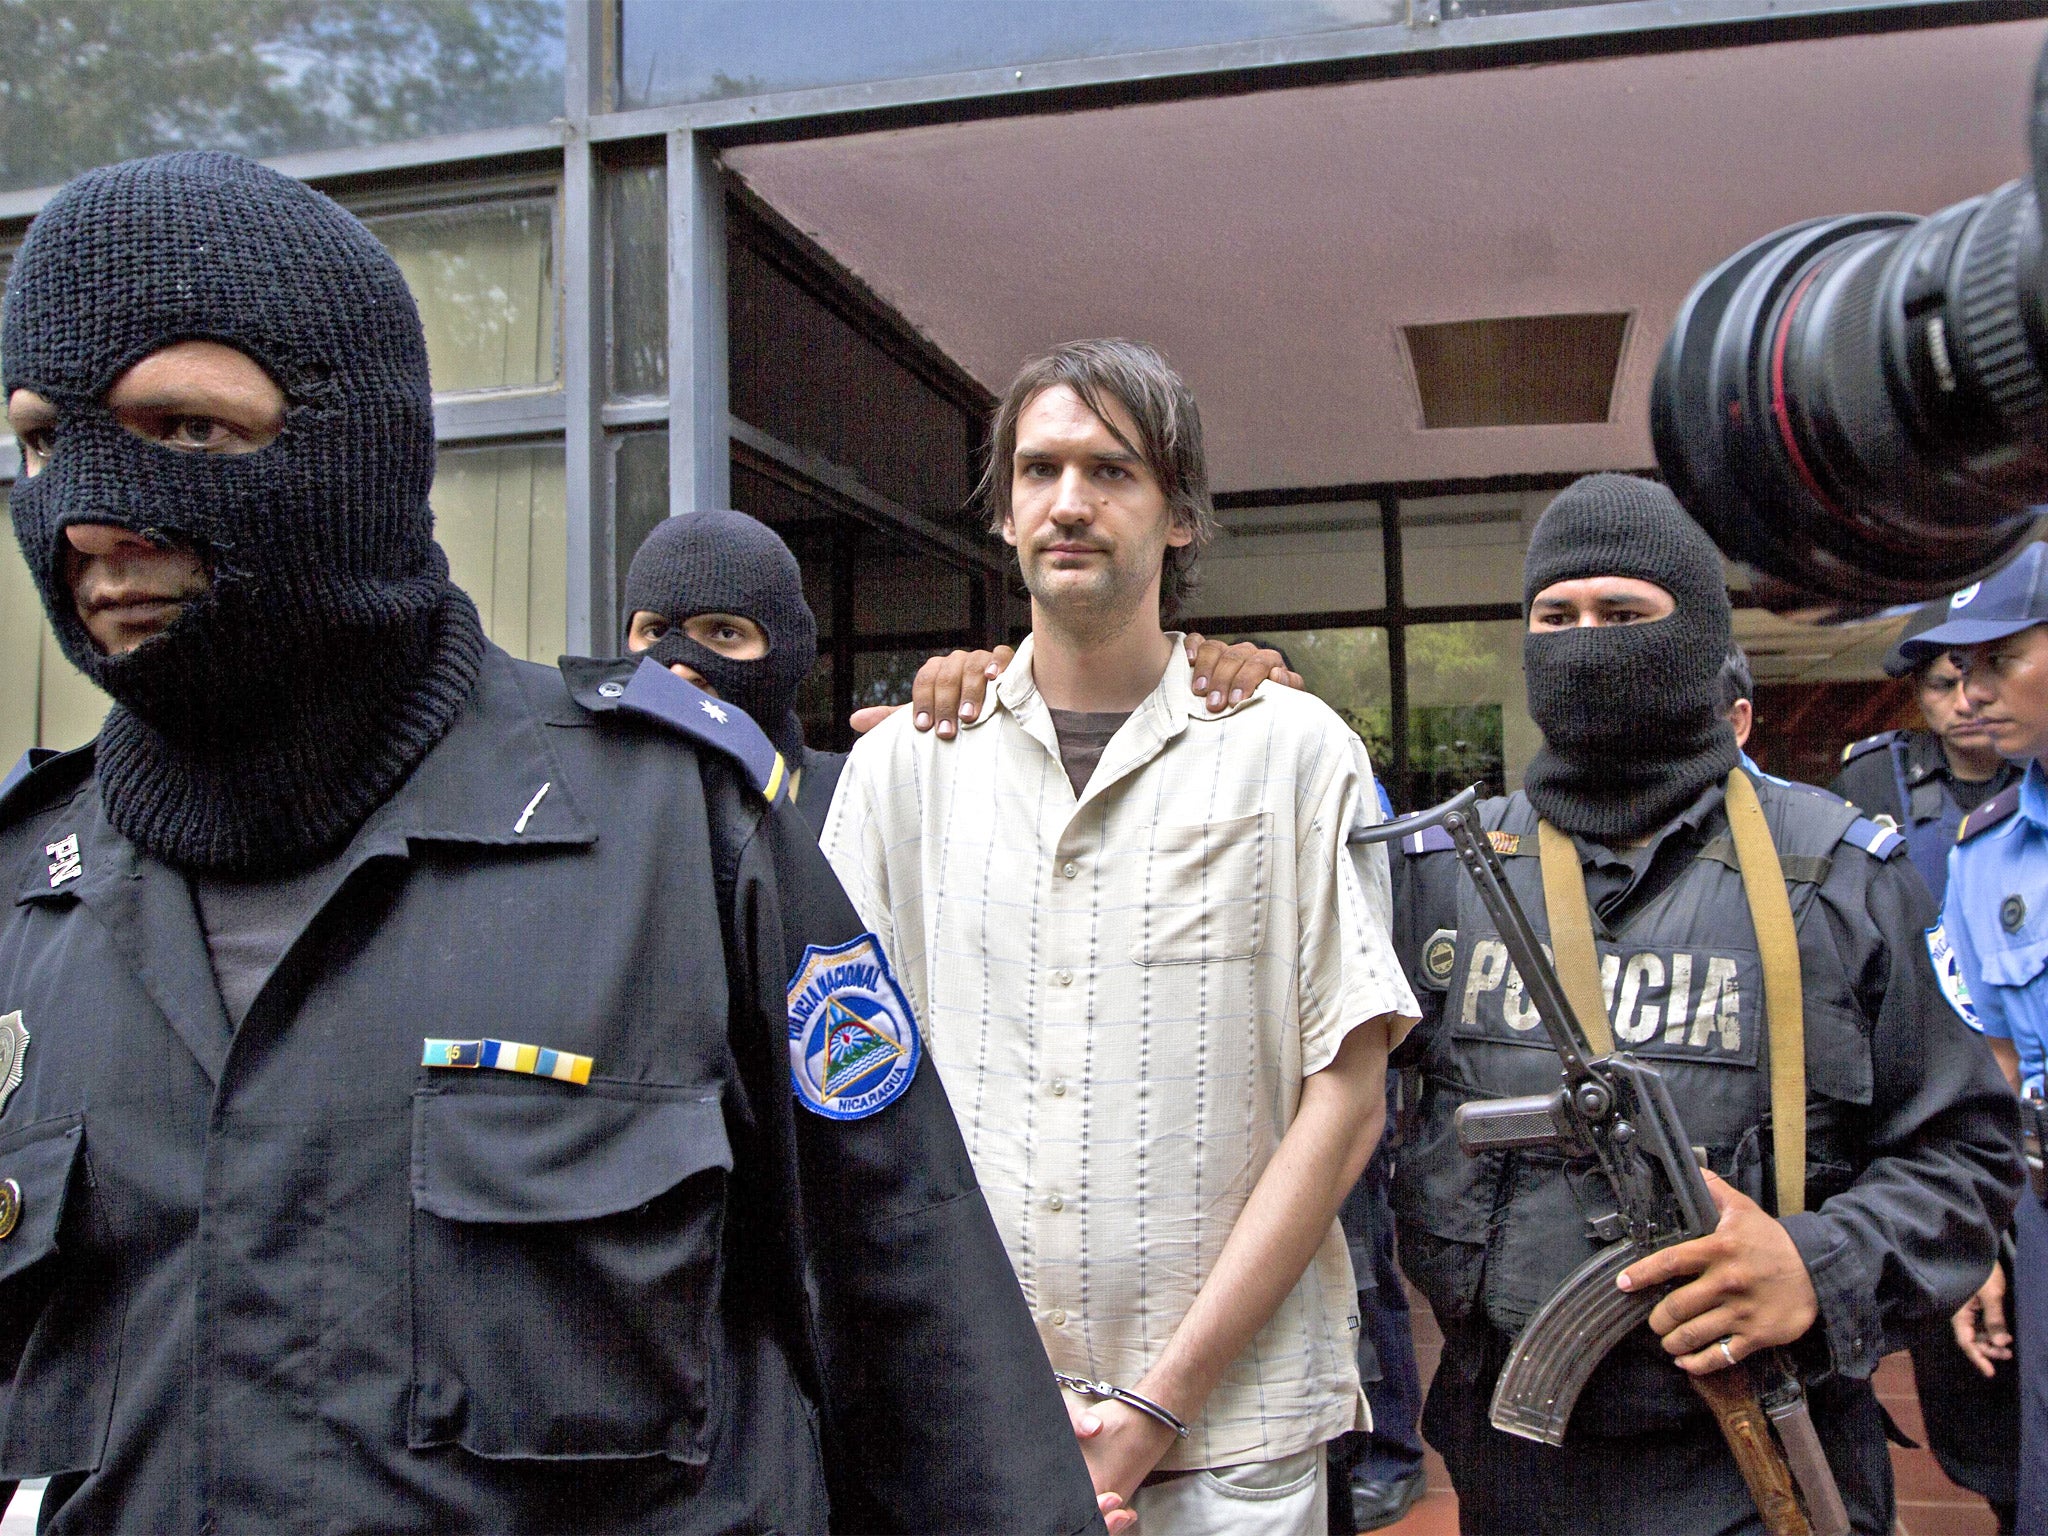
(1948, 970)
(853, 1045)
(1438, 956)
(13, 1048)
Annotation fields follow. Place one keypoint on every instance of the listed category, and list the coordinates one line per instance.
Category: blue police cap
(2014, 599)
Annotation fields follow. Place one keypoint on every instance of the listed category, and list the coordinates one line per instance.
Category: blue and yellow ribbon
(509, 1056)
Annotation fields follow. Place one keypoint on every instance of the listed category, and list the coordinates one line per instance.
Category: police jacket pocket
(565, 1267)
(60, 1314)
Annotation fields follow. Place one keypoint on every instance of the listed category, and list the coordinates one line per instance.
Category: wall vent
(1524, 371)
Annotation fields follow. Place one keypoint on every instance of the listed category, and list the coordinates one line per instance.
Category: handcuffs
(1124, 1395)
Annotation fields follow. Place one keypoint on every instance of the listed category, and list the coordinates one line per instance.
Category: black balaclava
(331, 652)
(726, 562)
(1630, 714)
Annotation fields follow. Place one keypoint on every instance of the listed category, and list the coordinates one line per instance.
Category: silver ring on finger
(1727, 1353)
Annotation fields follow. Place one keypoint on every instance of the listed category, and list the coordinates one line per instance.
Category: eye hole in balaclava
(331, 651)
(1630, 713)
(727, 562)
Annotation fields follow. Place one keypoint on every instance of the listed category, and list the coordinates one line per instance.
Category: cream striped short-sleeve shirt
(1122, 995)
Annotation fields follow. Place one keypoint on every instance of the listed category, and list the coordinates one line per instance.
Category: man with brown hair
(1158, 994)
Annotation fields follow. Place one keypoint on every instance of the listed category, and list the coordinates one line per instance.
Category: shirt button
(1070, 869)
(1063, 976)
(1059, 1087)
(1058, 1202)
(1057, 1317)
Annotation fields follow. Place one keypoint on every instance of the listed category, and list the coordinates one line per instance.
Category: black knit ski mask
(331, 651)
(1630, 714)
(726, 562)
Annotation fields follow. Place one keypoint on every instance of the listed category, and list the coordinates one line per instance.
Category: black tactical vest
(1492, 1237)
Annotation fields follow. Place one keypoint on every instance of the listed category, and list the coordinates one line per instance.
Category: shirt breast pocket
(2015, 965)
(1206, 892)
(566, 1258)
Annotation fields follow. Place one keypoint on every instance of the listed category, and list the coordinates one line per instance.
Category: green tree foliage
(88, 82)
(1450, 744)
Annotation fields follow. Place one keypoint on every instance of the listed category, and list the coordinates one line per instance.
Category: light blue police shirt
(1990, 949)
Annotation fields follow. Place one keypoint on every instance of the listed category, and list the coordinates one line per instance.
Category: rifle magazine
(1571, 1334)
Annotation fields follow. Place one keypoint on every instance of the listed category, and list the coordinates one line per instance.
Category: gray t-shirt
(1083, 734)
(248, 923)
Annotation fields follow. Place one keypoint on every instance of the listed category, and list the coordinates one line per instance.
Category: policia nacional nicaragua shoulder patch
(853, 1044)
(1948, 970)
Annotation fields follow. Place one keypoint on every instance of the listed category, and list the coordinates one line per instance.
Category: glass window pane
(1468, 718)
(710, 49)
(498, 512)
(896, 592)
(814, 706)
(1271, 560)
(806, 527)
(884, 677)
(21, 643)
(639, 498)
(484, 278)
(6, 266)
(1467, 549)
(858, 406)
(637, 219)
(1347, 670)
(112, 80)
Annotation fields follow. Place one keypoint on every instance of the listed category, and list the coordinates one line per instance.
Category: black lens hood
(1801, 520)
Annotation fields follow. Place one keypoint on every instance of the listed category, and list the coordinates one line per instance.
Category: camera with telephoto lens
(1857, 408)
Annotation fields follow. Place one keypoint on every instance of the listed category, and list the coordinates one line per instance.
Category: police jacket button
(610, 690)
(10, 1208)
(2011, 913)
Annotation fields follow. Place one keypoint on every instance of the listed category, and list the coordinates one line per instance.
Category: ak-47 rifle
(1616, 1112)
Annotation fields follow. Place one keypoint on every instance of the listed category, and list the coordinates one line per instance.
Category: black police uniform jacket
(1912, 1155)
(1904, 777)
(283, 1277)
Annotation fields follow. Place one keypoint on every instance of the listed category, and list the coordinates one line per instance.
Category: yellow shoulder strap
(1571, 935)
(1770, 913)
(1770, 910)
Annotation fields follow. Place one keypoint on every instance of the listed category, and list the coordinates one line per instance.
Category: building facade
(1416, 256)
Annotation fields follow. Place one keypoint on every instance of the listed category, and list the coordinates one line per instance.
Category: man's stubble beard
(1107, 605)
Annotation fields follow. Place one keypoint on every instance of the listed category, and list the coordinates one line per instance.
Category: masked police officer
(1992, 947)
(1910, 1155)
(718, 598)
(1925, 782)
(435, 1094)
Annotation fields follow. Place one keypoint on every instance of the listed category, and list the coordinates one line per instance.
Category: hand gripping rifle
(1616, 1111)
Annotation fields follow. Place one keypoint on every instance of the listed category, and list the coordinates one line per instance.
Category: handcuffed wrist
(1157, 1412)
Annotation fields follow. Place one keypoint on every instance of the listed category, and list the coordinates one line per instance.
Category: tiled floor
(1929, 1504)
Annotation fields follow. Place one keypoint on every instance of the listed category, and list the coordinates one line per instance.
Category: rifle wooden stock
(1740, 1412)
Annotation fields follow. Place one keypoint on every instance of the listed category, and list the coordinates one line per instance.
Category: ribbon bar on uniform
(508, 1056)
